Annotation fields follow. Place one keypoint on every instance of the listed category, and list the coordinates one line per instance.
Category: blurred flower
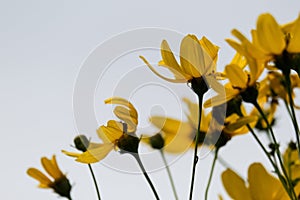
(261, 185)
(272, 87)
(58, 181)
(179, 136)
(292, 164)
(115, 135)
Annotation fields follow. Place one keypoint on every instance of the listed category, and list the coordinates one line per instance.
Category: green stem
(292, 192)
(195, 160)
(274, 164)
(211, 172)
(138, 159)
(293, 114)
(95, 182)
(169, 173)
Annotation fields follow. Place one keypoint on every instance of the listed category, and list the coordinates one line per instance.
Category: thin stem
(195, 161)
(293, 114)
(95, 182)
(138, 159)
(292, 194)
(274, 164)
(211, 172)
(169, 173)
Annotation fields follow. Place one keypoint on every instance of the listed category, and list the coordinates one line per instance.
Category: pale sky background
(43, 45)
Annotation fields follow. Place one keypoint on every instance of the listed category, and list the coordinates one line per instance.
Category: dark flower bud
(81, 143)
(62, 187)
(157, 141)
(292, 146)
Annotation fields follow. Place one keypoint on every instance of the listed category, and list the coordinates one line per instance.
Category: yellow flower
(292, 164)
(269, 110)
(273, 87)
(179, 136)
(241, 81)
(58, 181)
(261, 185)
(115, 135)
(274, 39)
(197, 58)
(271, 42)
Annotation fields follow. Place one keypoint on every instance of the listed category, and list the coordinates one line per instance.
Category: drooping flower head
(57, 181)
(115, 135)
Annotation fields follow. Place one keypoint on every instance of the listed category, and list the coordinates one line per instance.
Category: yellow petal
(161, 76)
(168, 57)
(192, 56)
(125, 115)
(269, 34)
(123, 102)
(210, 53)
(221, 98)
(109, 134)
(168, 125)
(263, 186)
(237, 77)
(38, 175)
(235, 185)
(294, 42)
(71, 154)
(51, 168)
(241, 121)
(96, 154)
(178, 75)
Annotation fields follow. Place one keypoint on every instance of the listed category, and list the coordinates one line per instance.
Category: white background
(42, 46)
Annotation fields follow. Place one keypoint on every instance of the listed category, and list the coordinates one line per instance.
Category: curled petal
(161, 76)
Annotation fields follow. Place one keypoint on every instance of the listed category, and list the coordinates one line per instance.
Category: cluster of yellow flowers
(262, 75)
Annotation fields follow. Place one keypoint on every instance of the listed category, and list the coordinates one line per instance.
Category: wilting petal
(125, 115)
(235, 186)
(269, 34)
